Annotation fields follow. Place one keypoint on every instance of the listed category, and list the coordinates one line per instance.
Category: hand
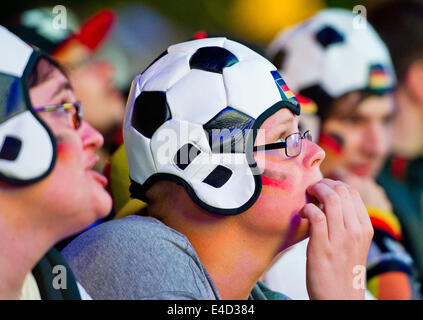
(340, 236)
(371, 193)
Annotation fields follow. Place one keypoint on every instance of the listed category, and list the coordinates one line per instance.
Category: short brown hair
(42, 70)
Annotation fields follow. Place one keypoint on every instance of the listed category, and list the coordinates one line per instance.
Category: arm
(391, 285)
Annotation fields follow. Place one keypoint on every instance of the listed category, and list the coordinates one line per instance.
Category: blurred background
(145, 28)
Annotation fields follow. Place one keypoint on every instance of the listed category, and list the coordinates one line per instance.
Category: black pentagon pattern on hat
(150, 112)
(218, 177)
(10, 149)
(328, 36)
(185, 155)
(212, 59)
(226, 131)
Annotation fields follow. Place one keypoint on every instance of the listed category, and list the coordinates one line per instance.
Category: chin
(102, 205)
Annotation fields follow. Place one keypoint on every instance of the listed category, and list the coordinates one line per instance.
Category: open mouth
(96, 175)
(99, 178)
(363, 170)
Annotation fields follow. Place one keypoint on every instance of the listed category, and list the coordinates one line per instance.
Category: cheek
(288, 188)
(387, 139)
(281, 183)
(64, 150)
(69, 157)
(340, 148)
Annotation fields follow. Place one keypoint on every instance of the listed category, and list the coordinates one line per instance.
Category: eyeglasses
(292, 144)
(73, 111)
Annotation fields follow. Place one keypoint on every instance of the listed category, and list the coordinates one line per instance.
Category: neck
(235, 263)
(408, 130)
(234, 258)
(22, 244)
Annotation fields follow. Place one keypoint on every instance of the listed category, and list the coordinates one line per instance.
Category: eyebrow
(64, 86)
(281, 127)
(290, 119)
(286, 122)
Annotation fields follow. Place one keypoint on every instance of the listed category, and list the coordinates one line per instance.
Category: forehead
(375, 106)
(280, 120)
(44, 92)
(278, 125)
(354, 104)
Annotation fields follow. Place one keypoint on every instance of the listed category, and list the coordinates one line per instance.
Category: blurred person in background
(92, 78)
(344, 75)
(48, 188)
(400, 25)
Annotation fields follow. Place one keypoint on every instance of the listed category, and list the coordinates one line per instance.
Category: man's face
(104, 105)
(361, 131)
(285, 180)
(72, 191)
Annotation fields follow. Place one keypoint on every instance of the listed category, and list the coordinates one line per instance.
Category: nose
(91, 138)
(313, 154)
(375, 140)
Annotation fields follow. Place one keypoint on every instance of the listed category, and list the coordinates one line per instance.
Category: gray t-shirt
(138, 258)
(141, 258)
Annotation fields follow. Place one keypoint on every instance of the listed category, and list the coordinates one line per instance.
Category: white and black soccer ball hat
(332, 54)
(181, 100)
(27, 146)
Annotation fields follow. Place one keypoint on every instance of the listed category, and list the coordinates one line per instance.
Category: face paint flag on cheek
(332, 142)
(279, 183)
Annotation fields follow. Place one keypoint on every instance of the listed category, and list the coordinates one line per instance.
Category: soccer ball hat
(27, 146)
(332, 54)
(177, 105)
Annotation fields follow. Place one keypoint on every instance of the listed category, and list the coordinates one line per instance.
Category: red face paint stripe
(278, 183)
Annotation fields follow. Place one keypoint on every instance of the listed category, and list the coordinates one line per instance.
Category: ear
(414, 81)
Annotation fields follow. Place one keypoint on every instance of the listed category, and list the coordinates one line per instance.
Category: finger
(318, 229)
(332, 208)
(349, 211)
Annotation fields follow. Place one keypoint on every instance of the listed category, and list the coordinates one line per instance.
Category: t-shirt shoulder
(138, 258)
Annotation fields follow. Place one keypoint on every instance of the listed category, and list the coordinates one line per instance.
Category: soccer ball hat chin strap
(191, 118)
(27, 146)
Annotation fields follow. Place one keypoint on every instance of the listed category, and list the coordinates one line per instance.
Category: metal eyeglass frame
(284, 144)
